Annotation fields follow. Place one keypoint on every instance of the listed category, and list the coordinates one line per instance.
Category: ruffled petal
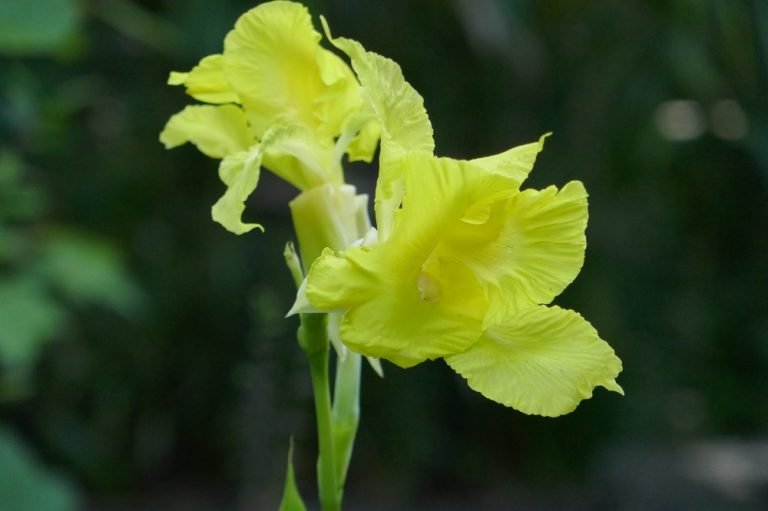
(515, 163)
(293, 154)
(274, 62)
(206, 81)
(441, 192)
(288, 151)
(393, 309)
(363, 145)
(342, 97)
(541, 361)
(338, 282)
(240, 172)
(400, 109)
(217, 131)
(529, 249)
(406, 299)
(404, 124)
(410, 320)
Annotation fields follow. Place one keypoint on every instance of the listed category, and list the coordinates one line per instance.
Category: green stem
(314, 339)
(346, 410)
(329, 217)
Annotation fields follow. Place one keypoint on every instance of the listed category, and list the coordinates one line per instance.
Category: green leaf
(291, 498)
(86, 269)
(10, 167)
(42, 26)
(26, 485)
(29, 318)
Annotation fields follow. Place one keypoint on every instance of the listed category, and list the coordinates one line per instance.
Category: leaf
(86, 269)
(26, 485)
(29, 318)
(291, 498)
(37, 27)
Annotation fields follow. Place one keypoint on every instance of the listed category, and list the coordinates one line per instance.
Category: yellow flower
(465, 264)
(278, 99)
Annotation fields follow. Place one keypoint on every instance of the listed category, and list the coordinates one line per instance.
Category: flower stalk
(346, 410)
(329, 217)
(313, 338)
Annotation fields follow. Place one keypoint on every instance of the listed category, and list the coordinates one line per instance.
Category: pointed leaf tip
(292, 500)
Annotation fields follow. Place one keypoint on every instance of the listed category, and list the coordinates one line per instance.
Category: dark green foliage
(142, 347)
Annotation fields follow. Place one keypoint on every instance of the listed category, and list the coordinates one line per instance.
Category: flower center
(429, 289)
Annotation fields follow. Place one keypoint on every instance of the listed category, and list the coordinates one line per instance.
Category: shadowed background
(144, 359)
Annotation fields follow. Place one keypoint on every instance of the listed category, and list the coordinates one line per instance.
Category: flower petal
(515, 163)
(528, 251)
(216, 130)
(281, 74)
(405, 126)
(338, 282)
(400, 109)
(541, 361)
(444, 191)
(240, 172)
(295, 155)
(206, 81)
(363, 145)
(407, 299)
(394, 312)
(406, 324)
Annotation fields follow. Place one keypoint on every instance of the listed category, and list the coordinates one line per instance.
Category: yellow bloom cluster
(278, 99)
(463, 263)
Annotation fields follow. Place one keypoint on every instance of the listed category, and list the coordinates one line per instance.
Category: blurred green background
(144, 360)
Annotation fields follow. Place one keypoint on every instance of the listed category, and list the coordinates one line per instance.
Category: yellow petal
(395, 311)
(363, 145)
(300, 158)
(274, 62)
(447, 191)
(515, 163)
(338, 282)
(206, 81)
(406, 299)
(290, 152)
(240, 172)
(408, 323)
(341, 98)
(530, 249)
(404, 124)
(400, 109)
(217, 131)
(541, 361)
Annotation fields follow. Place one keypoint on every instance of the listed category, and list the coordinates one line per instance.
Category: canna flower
(464, 264)
(275, 98)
